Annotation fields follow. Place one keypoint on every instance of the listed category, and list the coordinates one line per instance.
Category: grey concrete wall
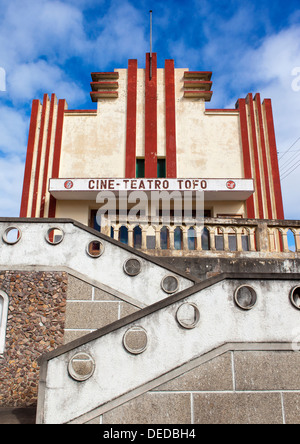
(172, 350)
(89, 308)
(206, 267)
(238, 387)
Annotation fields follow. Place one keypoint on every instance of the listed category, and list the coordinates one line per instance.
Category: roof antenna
(150, 45)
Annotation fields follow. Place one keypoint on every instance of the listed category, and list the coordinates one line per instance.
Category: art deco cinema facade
(179, 314)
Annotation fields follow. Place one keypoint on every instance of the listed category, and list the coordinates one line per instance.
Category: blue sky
(51, 46)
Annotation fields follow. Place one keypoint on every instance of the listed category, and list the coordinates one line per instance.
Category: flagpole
(150, 74)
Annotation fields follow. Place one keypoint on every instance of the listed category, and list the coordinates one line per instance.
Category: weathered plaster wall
(94, 145)
(207, 145)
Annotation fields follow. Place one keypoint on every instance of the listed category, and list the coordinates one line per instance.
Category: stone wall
(238, 387)
(89, 307)
(47, 310)
(207, 267)
(35, 325)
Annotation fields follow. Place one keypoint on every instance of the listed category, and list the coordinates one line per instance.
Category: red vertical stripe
(131, 119)
(57, 151)
(29, 157)
(151, 117)
(274, 159)
(264, 155)
(39, 156)
(258, 187)
(170, 119)
(246, 154)
(47, 154)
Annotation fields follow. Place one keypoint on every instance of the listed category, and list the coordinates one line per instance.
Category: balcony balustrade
(208, 236)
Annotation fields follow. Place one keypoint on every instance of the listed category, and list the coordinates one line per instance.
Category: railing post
(130, 237)
(284, 232)
(252, 239)
(116, 233)
(198, 238)
(297, 240)
(157, 238)
(171, 238)
(272, 243)
(105, 229)
(226, 239)
(144, 238)
(239, 232)
(262, 237)
(185, 246)
(212, 239)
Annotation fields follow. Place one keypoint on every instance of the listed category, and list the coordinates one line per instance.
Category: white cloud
(33, 79)
(33, 28)
(11, 173)
(13, 131)
(36, 42)
(122, 34)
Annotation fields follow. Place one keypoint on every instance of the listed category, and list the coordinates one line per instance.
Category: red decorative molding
(258, 188)
(151, 117)
(264, 156)
(274, 159)
(246, 153)
(57, 151)
(47, 155)
(39, 156)
(29, 157)
(171, 169)
(131, 119)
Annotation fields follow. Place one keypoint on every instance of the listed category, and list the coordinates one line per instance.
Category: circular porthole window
(132, 267)
(12, 235)
(188, 315)
(54, 236)
(170, 284)
(135, 340)
(95, 248)
(81, 367)
(295, 297)
(245, 297)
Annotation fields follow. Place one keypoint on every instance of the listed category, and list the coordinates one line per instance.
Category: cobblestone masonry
(35, 325)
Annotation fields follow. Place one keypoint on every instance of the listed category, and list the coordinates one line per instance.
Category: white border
(3, 320)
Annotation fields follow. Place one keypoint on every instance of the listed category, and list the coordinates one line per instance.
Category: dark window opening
(93, 221)
(161, 168)
(140, 168)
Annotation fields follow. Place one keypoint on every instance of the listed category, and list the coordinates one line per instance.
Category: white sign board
(87, 188)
